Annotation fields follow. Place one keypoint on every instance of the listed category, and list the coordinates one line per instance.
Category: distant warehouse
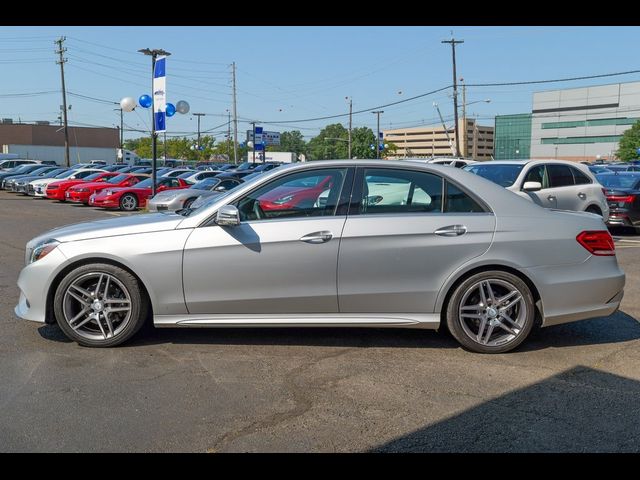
(42, 141)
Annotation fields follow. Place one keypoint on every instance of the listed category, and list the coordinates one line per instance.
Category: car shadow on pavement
(578, 410)
(615, 328)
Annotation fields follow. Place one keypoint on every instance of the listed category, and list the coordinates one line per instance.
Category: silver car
(458, 250)
(549, 183)
(176, 199)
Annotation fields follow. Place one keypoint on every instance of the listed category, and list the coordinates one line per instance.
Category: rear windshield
(502, 174)
(619, 181)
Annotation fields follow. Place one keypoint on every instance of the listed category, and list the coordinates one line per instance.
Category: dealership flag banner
(160, 94)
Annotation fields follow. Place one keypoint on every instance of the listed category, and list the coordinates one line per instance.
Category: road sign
(263, 136)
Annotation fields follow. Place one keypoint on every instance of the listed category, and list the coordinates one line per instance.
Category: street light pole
(198, 144)
(154, 136)
(350, 123)
(378, 112)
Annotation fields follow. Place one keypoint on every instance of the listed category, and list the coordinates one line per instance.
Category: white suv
(550, 183)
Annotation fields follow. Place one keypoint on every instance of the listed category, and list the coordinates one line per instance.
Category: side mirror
(228, 216)
(160, 188)
(532, 186)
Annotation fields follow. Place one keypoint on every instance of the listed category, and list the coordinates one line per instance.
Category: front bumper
(57, 194)
(103, 202)
(34, 281)
(77, 197)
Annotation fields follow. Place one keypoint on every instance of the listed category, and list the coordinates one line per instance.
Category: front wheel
(100, 305)
(491, 312)
(128, 202)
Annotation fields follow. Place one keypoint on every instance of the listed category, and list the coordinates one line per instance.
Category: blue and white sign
(638, 151)
(160, 94)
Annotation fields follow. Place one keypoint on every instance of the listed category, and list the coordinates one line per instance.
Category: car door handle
(551, 198)
(317, 237)
(451, 231)
(582, 195)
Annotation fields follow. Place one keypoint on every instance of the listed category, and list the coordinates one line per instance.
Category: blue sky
(297, 73)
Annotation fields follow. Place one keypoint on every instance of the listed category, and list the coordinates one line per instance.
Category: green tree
(331, 143)
(361, 140)
(629, 143)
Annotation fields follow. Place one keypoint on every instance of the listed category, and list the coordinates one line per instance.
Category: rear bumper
(592, 289)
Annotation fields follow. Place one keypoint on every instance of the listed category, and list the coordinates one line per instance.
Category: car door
(563, 187)
(279, 259)
(543, 197)
(397, 250)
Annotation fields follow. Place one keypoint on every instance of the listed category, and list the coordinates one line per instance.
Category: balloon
(145, 101)
(250, 144)
(128, 104)
(182, 107)
(171, 109)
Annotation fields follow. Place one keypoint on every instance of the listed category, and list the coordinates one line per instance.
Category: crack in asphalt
(302, 402)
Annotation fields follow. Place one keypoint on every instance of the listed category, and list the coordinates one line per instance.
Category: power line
(552, 81)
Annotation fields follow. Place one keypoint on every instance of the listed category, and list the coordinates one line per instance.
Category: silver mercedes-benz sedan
(331, 243)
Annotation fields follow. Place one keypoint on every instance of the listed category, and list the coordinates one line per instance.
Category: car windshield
(65, 174)
(55, 172)
(21, 169)
(186, 175)
(619, 181)
(93, 176)
(146, 183)
(251, 175)
(502, 174)
(117, 179)
(205, 184)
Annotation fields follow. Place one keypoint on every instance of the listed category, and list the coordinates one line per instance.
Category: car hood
(91, 185)
(152, 222)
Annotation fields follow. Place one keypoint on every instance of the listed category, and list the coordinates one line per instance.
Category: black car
(21, 170)
(622, 190)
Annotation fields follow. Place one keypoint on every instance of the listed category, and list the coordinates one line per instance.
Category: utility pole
(198, 143)
(253, 139)
(446, 132)
(350, 123)
(228, 134)
(62, 61)
(453, 43)
(464, 118)
(378, 112)
(235, 117)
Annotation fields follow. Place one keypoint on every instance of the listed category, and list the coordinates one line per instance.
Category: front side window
(538, 174)
(400, 191)
(305, 194)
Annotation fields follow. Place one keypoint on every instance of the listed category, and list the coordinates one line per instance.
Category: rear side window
(579, 177)
(400, 191)
(459, 202)
(559, 175)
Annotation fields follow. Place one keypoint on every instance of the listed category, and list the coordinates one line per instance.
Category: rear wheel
(491, 312)
(128, 202)
(100, 305)
(593, 209)
(188, 202)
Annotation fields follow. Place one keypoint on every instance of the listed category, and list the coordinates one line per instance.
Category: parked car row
(126, 187)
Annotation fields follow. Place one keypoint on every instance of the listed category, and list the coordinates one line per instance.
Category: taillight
(599, 242)
(621, 198)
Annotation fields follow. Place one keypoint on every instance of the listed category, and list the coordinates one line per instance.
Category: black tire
(139, 307)
(466, 331)
(128, 202)
(188, 202)
(592, 209)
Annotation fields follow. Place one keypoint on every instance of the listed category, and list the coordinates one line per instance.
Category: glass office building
(512, 136)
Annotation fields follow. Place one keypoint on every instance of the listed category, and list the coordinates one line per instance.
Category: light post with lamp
(154, 54)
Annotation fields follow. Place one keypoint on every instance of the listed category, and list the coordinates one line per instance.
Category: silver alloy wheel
(97, 306)
(128, 202)
(492, 312)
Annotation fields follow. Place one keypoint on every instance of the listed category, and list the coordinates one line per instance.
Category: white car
(38, 188)
(549, 183)
(176, 172)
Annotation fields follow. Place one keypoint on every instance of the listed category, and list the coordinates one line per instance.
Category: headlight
(42, 250)
(282, 200)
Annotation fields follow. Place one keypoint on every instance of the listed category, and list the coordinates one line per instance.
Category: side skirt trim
(414, 320)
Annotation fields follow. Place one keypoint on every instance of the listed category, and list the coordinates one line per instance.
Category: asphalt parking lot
(569, 388)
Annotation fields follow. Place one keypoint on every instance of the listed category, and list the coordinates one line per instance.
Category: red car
(81, 193)
(56, 190)
(296, 194)
(130, 198)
